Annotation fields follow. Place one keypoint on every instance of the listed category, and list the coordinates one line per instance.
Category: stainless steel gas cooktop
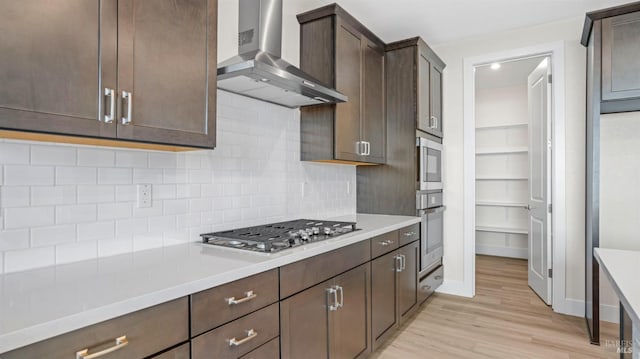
(270, 238)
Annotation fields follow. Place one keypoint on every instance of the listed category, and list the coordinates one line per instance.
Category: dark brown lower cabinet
(329, 320)
(394, 291)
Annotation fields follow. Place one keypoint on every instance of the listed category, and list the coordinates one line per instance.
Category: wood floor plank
(506, 319)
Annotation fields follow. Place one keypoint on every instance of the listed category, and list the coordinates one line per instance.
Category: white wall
(619, 188)
(62, 203)
(453, 55)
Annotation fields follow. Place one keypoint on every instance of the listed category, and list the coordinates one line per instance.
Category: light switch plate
(144, 195)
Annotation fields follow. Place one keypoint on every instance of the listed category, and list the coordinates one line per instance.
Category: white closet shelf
(506, 125)
(502, 178)
(501, 150)
(500, 204)
(502, 230)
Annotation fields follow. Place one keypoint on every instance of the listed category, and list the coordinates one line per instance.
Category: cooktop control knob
(315, 230)
(327, 231)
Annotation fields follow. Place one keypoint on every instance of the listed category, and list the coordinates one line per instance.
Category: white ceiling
(439, 21)
(510, 73)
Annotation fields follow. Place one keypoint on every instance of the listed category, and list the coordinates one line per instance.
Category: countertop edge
(47, 330)
(631, 310)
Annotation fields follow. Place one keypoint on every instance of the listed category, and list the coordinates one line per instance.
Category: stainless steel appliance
(270, 238)
(259, 72)
(430, 208)
(429, 164)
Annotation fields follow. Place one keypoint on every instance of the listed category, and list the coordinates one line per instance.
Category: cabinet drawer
(384, 244)
(306, 273)
(271, 350)
(147, 331)
(409, 234)
(211, 308)
(430, 283)
(263, 324)
(181, 352)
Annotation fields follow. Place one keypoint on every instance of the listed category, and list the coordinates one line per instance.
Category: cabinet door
(436, 101)
(620, 53)
(167, 61)
(408, 279)
(383, 296)
(303, 323)
(374, 125)
(52, 74)
(424, 92)
(348, 325)
(348, 81)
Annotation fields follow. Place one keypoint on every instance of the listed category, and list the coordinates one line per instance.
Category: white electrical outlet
(144, 195)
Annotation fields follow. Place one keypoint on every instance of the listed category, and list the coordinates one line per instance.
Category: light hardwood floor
(504, 320)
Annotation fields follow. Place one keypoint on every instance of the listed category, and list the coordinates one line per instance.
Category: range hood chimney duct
(259, 72)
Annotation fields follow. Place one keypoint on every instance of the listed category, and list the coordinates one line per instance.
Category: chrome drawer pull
(333, 292)
(121, 342)
(438, 277)
(386, 243)
(111, 94)
(233, 342)
(248, 296)
(409, 234)
(128, 96)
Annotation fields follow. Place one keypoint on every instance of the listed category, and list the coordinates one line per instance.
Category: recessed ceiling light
(495, 66)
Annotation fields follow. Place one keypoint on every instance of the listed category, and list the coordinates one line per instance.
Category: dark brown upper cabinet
(620, 54)
(134, 70)
(428, 69)
(340, 52)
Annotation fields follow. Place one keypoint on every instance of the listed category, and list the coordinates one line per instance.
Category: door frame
(555, 50)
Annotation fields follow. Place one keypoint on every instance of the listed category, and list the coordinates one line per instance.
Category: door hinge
(550, 273)
(550, 78)
(550, 208)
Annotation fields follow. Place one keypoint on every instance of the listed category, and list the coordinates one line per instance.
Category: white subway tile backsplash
(114, 210)
(73, 252)
(135, 159)
(115, 176)
(14, 196)
(52, 195)
(63, 203)
(176, 206)
(75, 175)
(162, 160)
(49, 236)
(14, 153)
(53, 155)
(94, 157)
(23, 175)
(14, 239)
(96, 230)
(130, 227)
(96, 194)
(76, 213)
(24, 259)
(26, 217)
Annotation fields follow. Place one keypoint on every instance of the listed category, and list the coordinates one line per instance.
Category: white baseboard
(502, 251)
(575, 307)
(455, 287)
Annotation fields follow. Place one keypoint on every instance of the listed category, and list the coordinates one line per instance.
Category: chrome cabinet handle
(398, 264)
(111, 94)
(409, 234)
(403, 262)
(386, 242)
(248, 296)
(433, 122)
(333, 291)
(359, 148)
(341, 290)
(438, 277)
(233, 342)
(127, 96)
(426, 287)
(368, 148)
(121, 342)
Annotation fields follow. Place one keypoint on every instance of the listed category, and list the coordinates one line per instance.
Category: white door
(539, 94)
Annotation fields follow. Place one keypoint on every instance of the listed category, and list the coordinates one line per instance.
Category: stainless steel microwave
(429, 164)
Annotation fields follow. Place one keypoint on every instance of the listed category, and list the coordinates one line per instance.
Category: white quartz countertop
(42, 303)
(622, 268)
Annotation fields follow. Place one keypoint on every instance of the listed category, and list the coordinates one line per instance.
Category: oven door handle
(434, 210)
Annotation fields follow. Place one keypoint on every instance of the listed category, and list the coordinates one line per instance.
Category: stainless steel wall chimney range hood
(259, 72)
